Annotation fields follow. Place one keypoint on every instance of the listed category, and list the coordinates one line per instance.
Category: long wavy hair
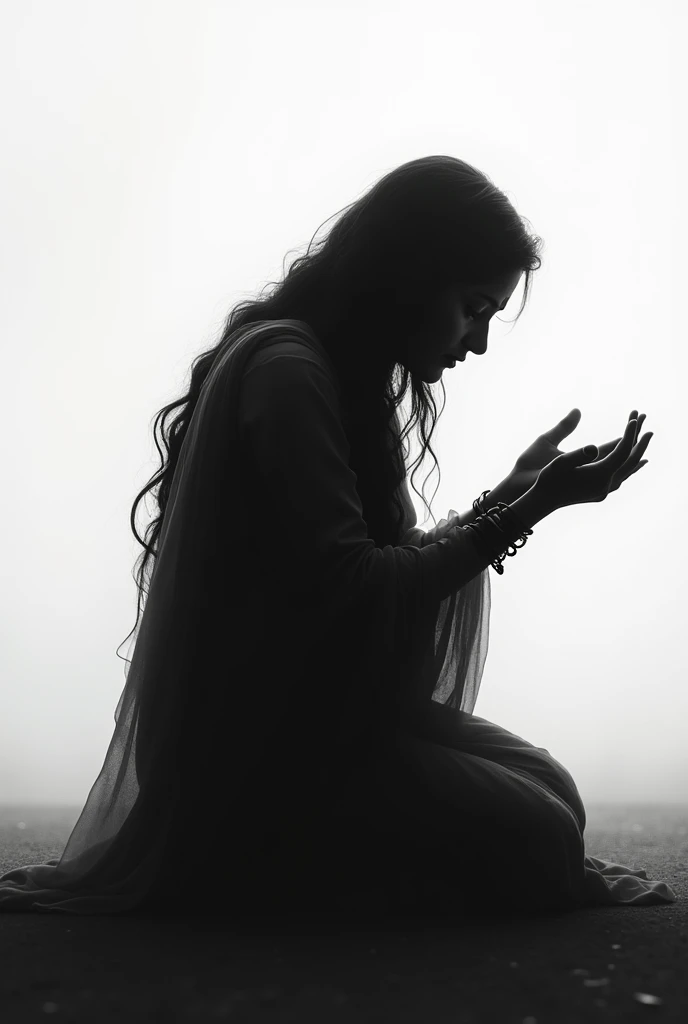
(428, 224)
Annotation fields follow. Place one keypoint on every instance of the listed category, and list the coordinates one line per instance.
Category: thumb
(579, 456)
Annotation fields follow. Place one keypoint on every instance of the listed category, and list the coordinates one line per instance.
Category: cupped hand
(581, 476)
(545, 450)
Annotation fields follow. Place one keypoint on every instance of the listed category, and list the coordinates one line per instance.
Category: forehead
(499, 288)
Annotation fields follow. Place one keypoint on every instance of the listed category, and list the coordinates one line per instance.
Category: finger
(620, 454)
(563, 428)
(636, 455)
(639, 446)
(641, 420)
(606, 448)
(623, 474)
(635, 469)
(609, 446)
(642, 444)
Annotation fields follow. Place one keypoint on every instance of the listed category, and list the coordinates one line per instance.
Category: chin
(432, 376)
(428, 374)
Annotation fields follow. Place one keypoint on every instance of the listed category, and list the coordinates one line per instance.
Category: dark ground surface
(608, 964)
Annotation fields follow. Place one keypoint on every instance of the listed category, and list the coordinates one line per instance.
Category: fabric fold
(201, 643)
(279, 656)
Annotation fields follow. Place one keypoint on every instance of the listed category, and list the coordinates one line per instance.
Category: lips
(451, 361)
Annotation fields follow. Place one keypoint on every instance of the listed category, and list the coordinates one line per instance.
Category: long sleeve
(419, 538)
(270, 616)
(295, 439)
(278, 652)
(436, 627)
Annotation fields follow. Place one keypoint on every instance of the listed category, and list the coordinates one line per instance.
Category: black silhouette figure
(296, 732)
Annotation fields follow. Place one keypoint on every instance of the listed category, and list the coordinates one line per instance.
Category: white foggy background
(160, 159)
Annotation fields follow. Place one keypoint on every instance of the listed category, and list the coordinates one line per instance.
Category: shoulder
(285, 372)
(290, 354)
(283, 350)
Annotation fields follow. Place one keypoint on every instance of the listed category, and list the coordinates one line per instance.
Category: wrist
(504, 491)
(530, 508)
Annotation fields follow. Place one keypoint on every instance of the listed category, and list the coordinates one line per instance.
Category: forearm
(502, 492)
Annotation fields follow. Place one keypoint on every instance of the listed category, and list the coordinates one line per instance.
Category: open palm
(544, 450)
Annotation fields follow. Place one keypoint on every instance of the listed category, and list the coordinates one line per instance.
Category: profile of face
(457, 323)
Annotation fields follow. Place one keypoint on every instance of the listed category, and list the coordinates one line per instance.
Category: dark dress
(297, 731)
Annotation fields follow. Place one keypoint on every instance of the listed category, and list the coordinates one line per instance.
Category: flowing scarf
(193, 683)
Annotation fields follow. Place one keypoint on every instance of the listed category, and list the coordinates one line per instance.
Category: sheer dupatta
(179, 676)
(451, 669)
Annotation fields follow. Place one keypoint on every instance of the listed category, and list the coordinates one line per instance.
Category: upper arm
(295, 441)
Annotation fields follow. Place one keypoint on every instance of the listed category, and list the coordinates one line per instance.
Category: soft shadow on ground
(608, 963)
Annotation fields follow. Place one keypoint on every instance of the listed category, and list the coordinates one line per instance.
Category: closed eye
(472, 314)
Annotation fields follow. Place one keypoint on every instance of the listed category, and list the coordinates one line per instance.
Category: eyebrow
(490, 299)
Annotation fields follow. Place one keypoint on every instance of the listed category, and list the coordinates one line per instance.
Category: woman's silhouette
(296, 730)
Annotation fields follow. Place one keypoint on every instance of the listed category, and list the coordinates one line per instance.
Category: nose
(476, 342)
